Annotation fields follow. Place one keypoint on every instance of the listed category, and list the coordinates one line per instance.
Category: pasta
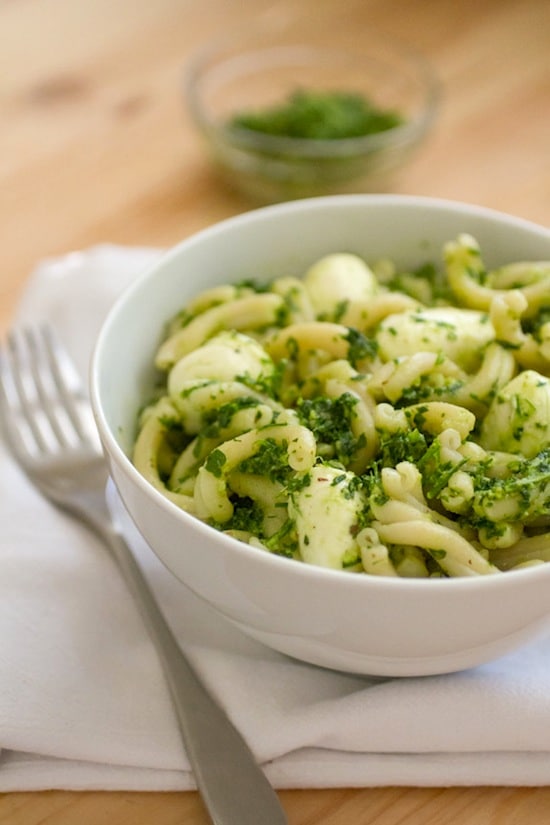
(362, 418)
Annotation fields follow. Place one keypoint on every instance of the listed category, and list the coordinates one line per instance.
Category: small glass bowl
(261, 68)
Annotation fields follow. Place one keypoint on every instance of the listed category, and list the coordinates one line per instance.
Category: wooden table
(95, 146)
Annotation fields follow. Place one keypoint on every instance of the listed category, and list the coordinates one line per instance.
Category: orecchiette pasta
(364, 418)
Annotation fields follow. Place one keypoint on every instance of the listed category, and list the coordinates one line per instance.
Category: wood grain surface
(96, 146)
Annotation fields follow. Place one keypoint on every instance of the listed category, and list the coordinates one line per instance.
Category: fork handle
(233, 787)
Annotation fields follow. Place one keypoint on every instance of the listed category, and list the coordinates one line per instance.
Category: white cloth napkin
(83, 704)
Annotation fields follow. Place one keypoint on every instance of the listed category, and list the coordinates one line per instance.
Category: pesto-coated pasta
(363, 418)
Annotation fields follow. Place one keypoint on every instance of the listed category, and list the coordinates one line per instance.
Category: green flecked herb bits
(319, 115)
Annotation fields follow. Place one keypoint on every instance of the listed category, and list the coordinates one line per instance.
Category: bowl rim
(312, 572)
(411, 130)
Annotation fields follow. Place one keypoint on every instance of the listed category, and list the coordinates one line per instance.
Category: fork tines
(41, 391)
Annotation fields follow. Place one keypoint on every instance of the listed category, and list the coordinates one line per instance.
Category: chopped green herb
(247, 516)
(319, 115)
(330, 421)
(215, 462)
(360, 346)
(217, 420)
(270, 460)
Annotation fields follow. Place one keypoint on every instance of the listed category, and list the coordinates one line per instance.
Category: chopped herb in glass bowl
(287, 116)
(319, 115)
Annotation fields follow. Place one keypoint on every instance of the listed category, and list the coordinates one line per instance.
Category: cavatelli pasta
(364, 419)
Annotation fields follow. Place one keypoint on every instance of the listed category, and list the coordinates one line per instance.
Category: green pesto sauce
(360, 346)
(270, 461)
(330, 420)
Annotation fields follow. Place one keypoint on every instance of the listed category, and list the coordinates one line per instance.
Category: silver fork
(49, 426)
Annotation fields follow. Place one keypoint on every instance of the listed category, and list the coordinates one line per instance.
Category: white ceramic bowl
(361, 624)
